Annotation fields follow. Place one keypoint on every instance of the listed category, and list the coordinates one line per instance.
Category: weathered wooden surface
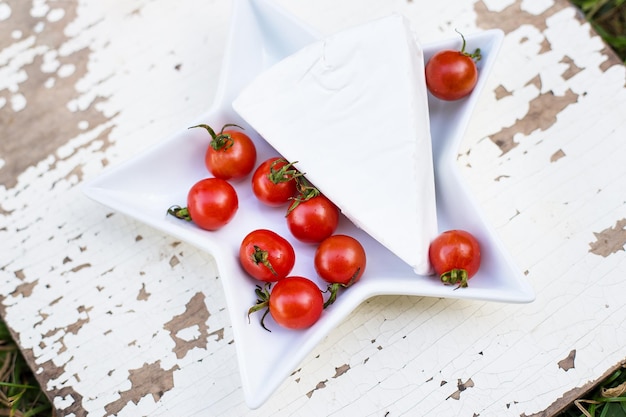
(118, 319)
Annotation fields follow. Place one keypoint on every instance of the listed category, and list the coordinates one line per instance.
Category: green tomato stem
(260, 256)
(283, 174)
(476, 56)
(454, 277)
(262, 302)
(306, 191)
(180, 213)
(221, 141)
(333, 289)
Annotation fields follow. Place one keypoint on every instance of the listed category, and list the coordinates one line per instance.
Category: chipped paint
(151, 379)
(568, 363)
(461, 386)
(610, 240)
(341, 370)
(541, 115)
(195, 315)
(320, 385)
(44, 73)
(515, 15)
(557, 155)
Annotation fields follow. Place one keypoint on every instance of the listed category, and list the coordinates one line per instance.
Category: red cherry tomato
(211, 204)
(452, 75)
(313, 220)
(274, 181)
(340, 259)
(231, 154)
(266, 255)
(296, 303)
(455, 256)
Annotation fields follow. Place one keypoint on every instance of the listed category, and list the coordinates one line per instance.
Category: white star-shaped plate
(145, 186)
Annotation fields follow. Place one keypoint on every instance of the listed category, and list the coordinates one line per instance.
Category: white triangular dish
(145, 186)
(351, 112)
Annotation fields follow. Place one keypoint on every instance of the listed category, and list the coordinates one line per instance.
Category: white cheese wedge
(352, 110)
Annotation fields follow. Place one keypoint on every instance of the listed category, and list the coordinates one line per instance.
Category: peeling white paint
(39, 27)
(39, 8)
(499, 5)
(18, 102)
(50, 62)
(55, 15)
(5, 11)
(536, 7)
(63, 402)
(66, 70)
(189, 333)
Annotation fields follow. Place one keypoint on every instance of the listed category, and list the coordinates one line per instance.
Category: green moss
(608, 18)
(608, 399)
(19, 391)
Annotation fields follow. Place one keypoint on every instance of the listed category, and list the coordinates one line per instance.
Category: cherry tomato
(455, 256)
(295, 302)
(274, 181)
(266, 255)
(452, 75)
(231, 154)
(211, 204)
(340, 259)
(313, 220)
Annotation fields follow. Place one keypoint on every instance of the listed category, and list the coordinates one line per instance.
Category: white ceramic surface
(147, 185)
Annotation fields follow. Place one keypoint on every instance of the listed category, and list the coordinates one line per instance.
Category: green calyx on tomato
(260, 256)
(179, 212)
(306, 191)
(222, 140)
(455, 257)
(454, 277)
(285, 173)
